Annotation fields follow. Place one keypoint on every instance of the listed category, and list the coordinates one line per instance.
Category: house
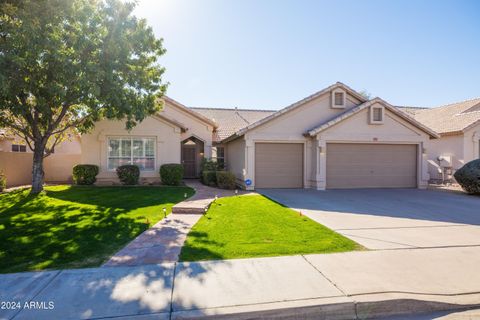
(458, 125)
(334, 138)
(16, 160)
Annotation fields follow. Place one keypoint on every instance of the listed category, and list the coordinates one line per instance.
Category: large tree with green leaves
(65, 64)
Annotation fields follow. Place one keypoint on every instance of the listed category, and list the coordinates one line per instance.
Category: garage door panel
(371, 166)
(278, 165)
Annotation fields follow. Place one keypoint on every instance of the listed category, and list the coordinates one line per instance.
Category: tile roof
(347, 114)
(448, 119)
(231, 120)
(410, 110)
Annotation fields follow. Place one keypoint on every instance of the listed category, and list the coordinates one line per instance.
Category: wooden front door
(189, 161)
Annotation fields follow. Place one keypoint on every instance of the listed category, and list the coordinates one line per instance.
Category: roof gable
(349, 113)
(298, 104)
(191, 112)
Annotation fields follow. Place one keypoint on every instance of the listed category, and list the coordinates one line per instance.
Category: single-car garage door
(278, 165)
(371, 165)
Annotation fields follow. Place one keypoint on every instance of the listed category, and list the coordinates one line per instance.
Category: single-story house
(458, 125)
(334, 138)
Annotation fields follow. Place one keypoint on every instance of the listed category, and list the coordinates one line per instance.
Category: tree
(65, 64)
(367, 95)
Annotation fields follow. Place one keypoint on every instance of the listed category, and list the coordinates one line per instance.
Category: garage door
(278, 165)
(371, 166)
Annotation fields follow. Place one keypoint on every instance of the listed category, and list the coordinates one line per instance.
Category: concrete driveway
(390, 218)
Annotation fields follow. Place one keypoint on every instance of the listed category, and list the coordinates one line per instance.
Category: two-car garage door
(351, 165)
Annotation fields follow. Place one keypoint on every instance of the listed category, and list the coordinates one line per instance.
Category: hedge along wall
(18, 167)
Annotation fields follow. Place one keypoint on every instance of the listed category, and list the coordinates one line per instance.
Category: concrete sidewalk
(355, 285)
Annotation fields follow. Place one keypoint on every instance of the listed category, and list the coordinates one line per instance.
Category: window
(376, 115)
(19, 148)
(138, 151)
(338, 99)
(221, 156)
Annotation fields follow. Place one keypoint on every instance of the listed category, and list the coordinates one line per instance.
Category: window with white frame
(338, 99)
(376, 115)
(131, 150)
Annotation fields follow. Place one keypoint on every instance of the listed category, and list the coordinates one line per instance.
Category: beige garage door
(278, 165)
(371, 166)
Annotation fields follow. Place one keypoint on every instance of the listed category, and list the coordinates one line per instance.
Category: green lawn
(76, 226)
(255, 226)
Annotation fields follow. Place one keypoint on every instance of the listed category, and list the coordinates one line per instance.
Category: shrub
(209, 178)
(226, 180)
(128, 174)
(85, 174)
(208, 165)
(3, 181)
(171, 174)
(468, 177)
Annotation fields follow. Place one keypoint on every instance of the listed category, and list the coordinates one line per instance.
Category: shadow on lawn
(195, 248)
(38, 235)
(131, 197)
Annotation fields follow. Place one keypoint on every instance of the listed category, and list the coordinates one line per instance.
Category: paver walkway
(202, 198)
(163, 242)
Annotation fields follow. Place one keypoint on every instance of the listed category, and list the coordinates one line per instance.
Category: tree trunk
(38, 174)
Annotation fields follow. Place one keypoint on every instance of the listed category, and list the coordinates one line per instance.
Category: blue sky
(266, 54)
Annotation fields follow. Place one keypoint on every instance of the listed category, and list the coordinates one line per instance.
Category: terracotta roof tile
(448, 119)
(231, 120)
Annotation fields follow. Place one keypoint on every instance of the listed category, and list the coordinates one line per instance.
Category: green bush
(208, 165)
(209, 178)
(3, 181)
(128, 174)
(171, 174)
(226, 180)
(85, 174)
(468, 177)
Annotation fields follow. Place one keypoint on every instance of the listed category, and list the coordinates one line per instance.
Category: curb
(331, 310)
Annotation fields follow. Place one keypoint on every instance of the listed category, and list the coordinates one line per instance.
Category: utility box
(445, 161)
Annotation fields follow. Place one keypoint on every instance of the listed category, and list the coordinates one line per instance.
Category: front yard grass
(76, 226)
(255, 226)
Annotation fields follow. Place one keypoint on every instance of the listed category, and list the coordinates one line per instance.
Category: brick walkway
(163, 242)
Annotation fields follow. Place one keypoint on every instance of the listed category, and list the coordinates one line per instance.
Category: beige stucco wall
(462, 148)
(196, 127)
(471, 146)
(17, 167)
(235, 159)
(167, 135)
(69, 146)
(452, 146)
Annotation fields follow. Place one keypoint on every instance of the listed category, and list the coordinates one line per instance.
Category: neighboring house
(335, 138)
(458, 125)
(16, 160)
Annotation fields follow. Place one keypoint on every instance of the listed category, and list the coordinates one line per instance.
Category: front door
(189, 161)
